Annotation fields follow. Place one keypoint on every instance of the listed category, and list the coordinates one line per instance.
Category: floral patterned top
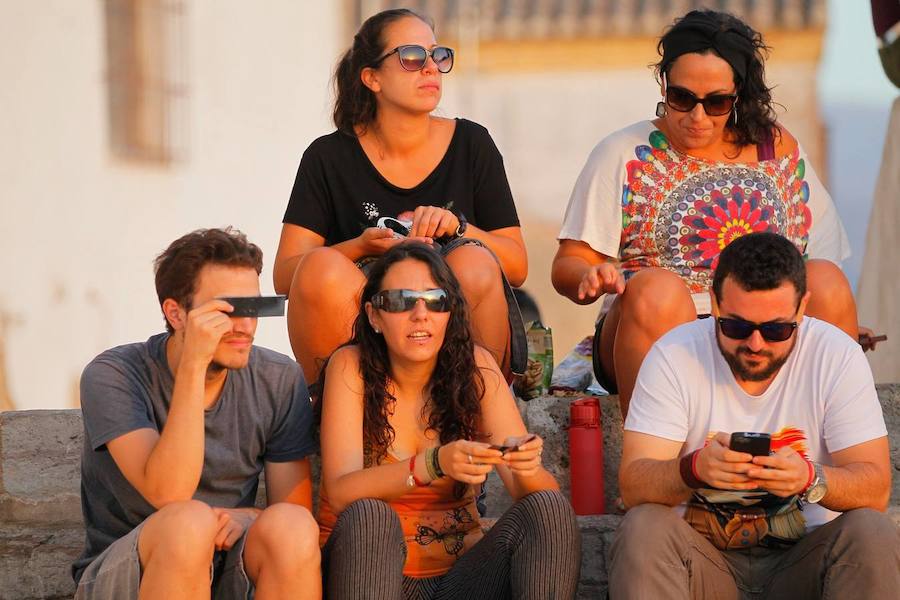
(648, 205)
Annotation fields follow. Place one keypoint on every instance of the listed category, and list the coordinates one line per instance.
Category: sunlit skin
(755, 356)
(415, 337)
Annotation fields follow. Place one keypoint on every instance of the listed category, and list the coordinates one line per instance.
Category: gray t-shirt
(263, 415)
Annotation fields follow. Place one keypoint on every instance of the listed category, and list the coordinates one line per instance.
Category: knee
(828, 284)
(370, 518)
(549, 517)
(641, 523)
(868, 532)
(656, 298)
(323, 269)
(477, 271)
(287, 534)
(184, 531)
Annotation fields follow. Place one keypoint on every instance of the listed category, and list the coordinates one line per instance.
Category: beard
(761, 372)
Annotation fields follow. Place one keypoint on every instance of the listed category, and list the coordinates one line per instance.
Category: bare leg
(176, 550)
(282, 553)
(479, 276)
(831, 298)
(654, 301)
(324, 301)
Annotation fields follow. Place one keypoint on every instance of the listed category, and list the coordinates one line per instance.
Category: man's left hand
(783, 474)
(233, 522)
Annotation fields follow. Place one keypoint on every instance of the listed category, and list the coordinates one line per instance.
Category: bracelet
(687, 466)
(812, 476)
(429, 463)
(412, 480)
(436, 462)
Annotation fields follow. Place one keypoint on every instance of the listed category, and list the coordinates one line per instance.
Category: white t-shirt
(823, 400)
(646, 204)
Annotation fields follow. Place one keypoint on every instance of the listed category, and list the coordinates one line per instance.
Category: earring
(660, 109)
(376, 329)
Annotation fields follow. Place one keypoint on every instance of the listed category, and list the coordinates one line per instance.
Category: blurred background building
(130, 122)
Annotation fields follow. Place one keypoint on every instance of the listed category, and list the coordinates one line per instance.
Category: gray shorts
(116, 573)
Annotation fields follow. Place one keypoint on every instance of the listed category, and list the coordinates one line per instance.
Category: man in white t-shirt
(802, 516)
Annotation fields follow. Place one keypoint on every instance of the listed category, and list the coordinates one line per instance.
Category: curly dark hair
(760, 261)
(757, 120)
(354, 103)
(456, 386)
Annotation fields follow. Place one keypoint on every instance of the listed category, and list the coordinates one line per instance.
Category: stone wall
(40, 512)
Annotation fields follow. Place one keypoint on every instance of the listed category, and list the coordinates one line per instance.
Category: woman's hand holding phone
(469, 462)
(523, 454)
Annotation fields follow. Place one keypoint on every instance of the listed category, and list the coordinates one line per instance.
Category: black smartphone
(255, 306)
(515, 445)
(756, 444)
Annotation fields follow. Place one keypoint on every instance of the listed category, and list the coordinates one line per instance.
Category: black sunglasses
(413, 57)
(397, 301)
(715, 105)
(771, 331)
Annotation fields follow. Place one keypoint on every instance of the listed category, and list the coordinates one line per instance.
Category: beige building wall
(79, 227)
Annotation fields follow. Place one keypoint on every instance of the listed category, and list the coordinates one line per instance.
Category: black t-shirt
(338, 192)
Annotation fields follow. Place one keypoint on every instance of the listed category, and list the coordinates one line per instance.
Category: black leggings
(533, 551)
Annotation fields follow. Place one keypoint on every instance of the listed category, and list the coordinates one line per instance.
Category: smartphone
(395, 225)
(256, 306)
(513, 443)
(756, 444)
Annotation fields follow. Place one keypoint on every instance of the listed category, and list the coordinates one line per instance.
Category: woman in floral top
(658, 201)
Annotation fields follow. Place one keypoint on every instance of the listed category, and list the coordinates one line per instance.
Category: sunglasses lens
(735, 328)
(681, 100)
(443, 58)
(716, 106)
(412, 58)
(776, 332)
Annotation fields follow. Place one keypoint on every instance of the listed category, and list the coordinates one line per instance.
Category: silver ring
(469, 456)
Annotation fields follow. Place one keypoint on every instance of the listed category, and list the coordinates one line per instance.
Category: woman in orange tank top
(410, 411)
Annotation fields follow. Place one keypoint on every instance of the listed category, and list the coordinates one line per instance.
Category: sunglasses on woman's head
(715, 105)
(413, 57)
(771, 331)
(397, 301)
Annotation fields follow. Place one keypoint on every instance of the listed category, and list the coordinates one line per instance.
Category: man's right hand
(723, 468)
(206, 325)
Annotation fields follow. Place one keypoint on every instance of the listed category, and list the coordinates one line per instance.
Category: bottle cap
(584, 413)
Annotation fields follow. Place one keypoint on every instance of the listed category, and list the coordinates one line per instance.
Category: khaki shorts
(116, 573)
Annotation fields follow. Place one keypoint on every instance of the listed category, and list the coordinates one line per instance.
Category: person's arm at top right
(582, 274)
(165, 466)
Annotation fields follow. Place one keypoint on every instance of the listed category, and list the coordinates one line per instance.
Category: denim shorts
(116, 573)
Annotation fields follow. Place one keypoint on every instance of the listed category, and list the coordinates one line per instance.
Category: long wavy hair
(354, 103)
(456, 386)
(757, 120)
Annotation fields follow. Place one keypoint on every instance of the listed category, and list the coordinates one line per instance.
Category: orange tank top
(438, 527)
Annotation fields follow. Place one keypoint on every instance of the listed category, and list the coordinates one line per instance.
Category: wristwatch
(818, 488)
(463, 224)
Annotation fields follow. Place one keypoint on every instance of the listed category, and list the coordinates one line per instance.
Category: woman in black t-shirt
(390, 157)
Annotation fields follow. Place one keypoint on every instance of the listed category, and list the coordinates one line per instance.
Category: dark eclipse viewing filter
(256, 306)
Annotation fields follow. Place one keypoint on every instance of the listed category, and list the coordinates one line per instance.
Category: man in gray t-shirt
(178, 430)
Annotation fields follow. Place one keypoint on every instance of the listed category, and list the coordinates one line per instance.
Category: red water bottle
(586, 457)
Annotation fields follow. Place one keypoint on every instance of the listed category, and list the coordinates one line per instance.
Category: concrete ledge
(40, 511)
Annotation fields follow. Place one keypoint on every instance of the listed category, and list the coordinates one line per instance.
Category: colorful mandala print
(679, 212)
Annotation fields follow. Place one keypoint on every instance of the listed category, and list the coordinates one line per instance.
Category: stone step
(40, 512)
